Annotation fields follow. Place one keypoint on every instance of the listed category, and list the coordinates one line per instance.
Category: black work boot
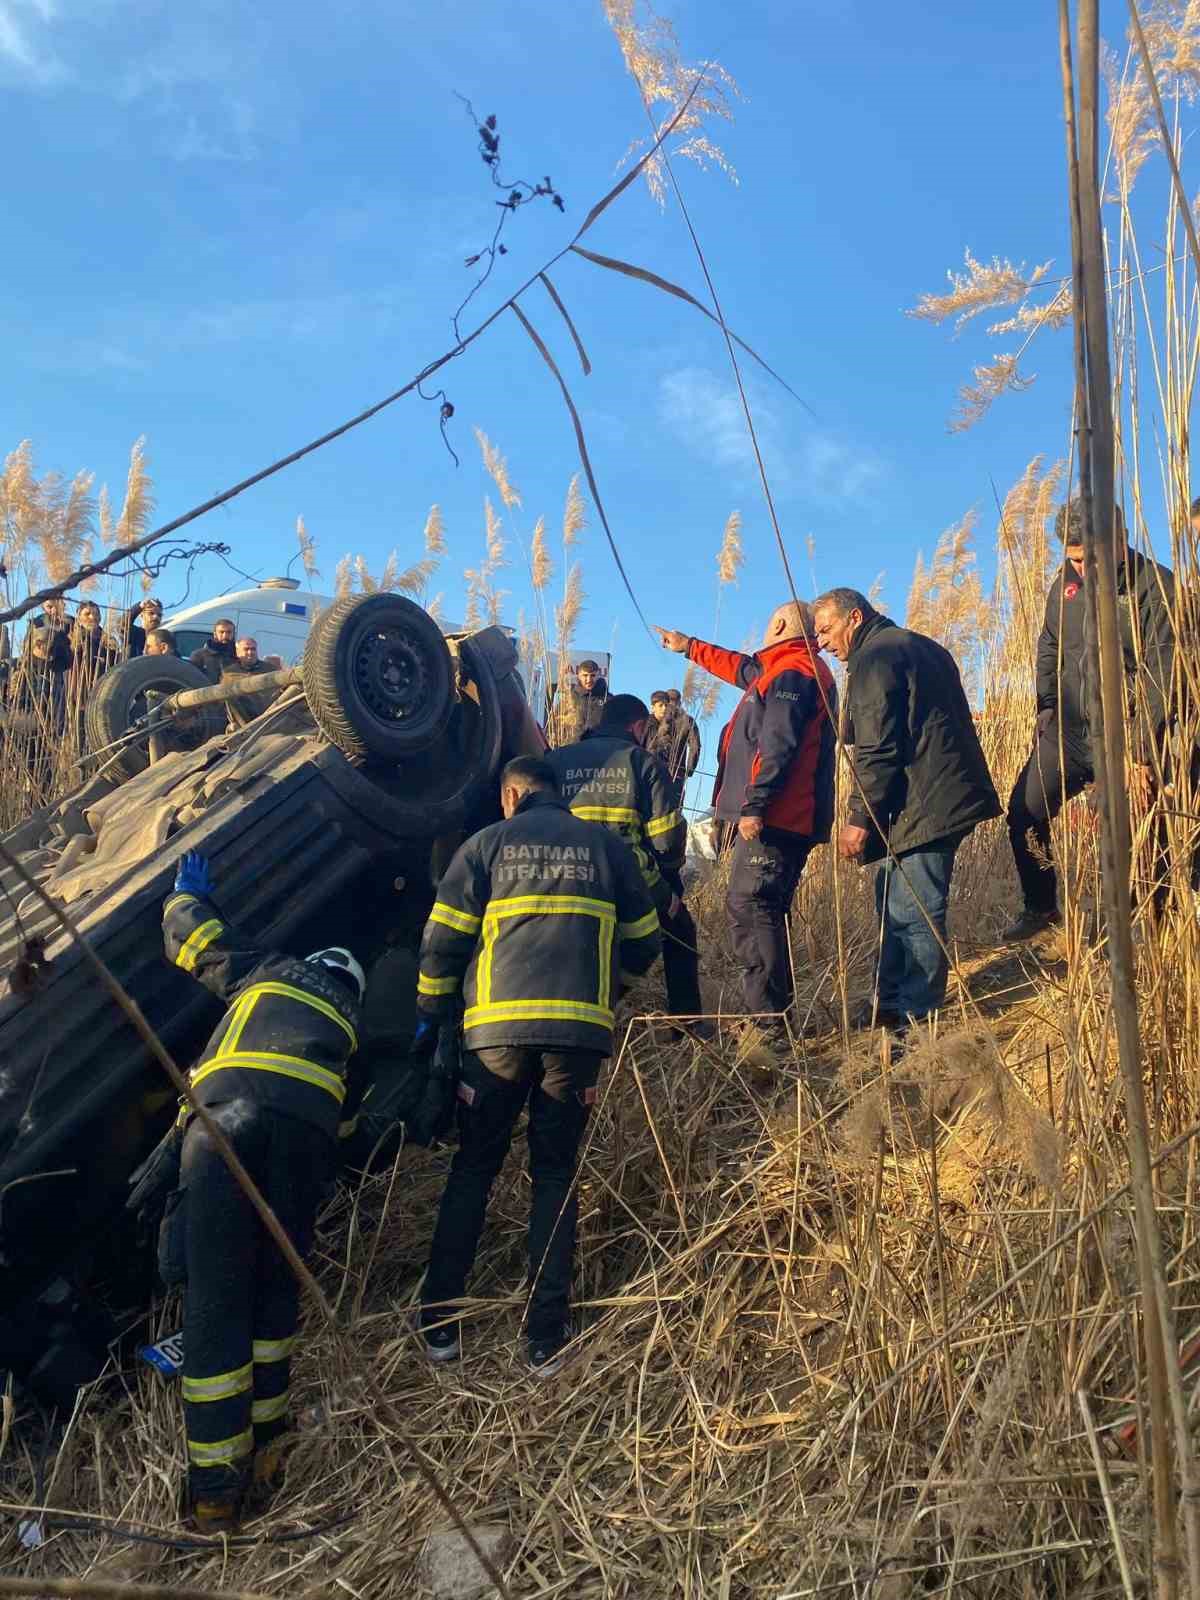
(1029, 924)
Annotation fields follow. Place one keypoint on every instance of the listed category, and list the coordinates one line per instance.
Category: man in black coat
(674, 738)
(921, 786)
(1060, 764)
(218, 651)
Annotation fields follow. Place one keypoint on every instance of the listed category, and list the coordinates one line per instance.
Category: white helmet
(341, 961)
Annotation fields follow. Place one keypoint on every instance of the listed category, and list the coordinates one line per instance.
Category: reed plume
(574, 514)
(497, 468)
(134, 521)
(308, 551)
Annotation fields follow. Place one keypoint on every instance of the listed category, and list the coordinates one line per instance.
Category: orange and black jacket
(777, 752)
(609, 778)
(286, 1040)
(536, 920)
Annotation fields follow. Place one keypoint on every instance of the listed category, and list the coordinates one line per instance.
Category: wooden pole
(1104, 546)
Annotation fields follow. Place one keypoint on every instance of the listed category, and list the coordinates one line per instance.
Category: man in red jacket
(774, 790)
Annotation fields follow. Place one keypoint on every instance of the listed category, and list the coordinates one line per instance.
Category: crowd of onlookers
(45, 684)
(672, 735)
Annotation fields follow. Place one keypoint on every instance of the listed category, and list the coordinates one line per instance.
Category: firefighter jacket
(535, 921)
(608, 778)
(288, 1036)
(777, 752)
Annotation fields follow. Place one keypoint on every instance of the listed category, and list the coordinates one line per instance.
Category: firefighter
(536, 920)
(610, 777)
(274, 1075)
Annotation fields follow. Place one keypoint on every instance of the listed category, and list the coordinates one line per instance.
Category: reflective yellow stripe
(238, 1019)
(428, 985)
(641, 928)
(290, 993)
(176, 899)
(221, 1452)
(286, 1066)
(551, 905)
(221, 1387)
(197, 942)
(658, 825)
(608, 927)
(534, 905)
(270, 1410)
(451, 917)
(607, 814)
(274, 1349)
(538, 1011)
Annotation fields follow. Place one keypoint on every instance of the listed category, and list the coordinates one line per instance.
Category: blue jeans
(912, 962)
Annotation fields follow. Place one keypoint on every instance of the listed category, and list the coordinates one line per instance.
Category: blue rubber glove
(425, 1039)
(194, 875)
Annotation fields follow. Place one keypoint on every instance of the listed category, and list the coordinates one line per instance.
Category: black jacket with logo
(610, 779)
(288, 1036)
(1062, 630)
(917, 757)
(535, 920)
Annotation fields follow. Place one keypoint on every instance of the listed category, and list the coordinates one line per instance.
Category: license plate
(166, 1356)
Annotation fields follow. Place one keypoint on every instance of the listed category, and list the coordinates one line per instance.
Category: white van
(278, 613)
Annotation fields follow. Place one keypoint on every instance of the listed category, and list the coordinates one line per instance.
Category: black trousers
(763, 874)
(1039, 794)
(680, 956)
(241, 1301)
(559, 1086)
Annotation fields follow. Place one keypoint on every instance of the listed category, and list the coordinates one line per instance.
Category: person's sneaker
(442, 1341)
(1029, 924)
(548, 1356)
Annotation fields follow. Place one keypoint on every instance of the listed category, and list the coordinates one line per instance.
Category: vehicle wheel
(378, 677)
(438, 789)
(119, 699)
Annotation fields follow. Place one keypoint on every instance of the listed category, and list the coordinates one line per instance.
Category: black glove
(156, 1179)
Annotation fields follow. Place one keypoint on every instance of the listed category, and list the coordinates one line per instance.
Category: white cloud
(706, 415)
(24, 45)
(201, 75)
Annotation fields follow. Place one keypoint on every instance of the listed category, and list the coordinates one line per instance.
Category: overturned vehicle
(326, 819)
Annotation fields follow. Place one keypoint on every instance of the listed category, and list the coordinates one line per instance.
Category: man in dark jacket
(1145, 595)
(610, 777)
(583, 702)
(674, 738)
(535, 922)
(140, 620)
(218, 650)
(921, 785)
(274, 1075)
(774, 793)
(247, 664)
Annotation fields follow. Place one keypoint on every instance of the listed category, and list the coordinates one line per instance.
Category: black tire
(378, 677)
(119, 699)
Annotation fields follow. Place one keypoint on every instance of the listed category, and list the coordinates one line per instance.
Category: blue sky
(231, 227)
